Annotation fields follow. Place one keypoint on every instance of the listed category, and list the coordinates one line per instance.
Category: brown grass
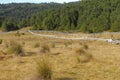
(105, 65)
(44, 69)
(15, 48)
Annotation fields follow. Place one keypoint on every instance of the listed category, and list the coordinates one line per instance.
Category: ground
(104, 64)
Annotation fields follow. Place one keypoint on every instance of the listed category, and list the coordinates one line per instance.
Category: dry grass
(83, 56)
(36, 45)
(44, 69)
(15, 48)
(45, 49)
(1, 41)
(105, 65)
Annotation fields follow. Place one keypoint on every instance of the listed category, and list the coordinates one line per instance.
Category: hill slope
(19, 13)
(86, 16)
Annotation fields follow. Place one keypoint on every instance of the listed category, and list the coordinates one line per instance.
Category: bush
(15, 48)
(44, 69)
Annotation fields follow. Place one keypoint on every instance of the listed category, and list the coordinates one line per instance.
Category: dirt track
(72, 38)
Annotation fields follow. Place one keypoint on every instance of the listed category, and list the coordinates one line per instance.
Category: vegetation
(85, 46)
(100, 61)
(45, 49)
(36, 45)
(17, 15)
(85, 16)
(44, 69)
(1, 41)
(83, 56)
(15, 48)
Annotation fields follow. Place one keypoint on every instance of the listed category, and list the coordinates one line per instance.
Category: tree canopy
(85, 16)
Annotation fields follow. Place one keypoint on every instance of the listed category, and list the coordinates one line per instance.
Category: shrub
(45, 49)
(44, 69)
(15, 48)
(1, 41)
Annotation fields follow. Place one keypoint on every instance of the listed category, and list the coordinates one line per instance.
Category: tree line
(85, 16)
(18, 15)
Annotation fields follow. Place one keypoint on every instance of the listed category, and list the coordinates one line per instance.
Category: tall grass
(44, 69)
(1, 41)
(15, 48)
(36, 45)
(85, 46)
(45, 49)
(83, 56)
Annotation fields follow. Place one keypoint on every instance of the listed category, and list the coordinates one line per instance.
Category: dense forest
(85, 16)
(17, 15)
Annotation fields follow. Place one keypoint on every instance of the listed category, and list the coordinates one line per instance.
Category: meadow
(69, 59)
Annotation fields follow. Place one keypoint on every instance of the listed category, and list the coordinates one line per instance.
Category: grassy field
(70, 60)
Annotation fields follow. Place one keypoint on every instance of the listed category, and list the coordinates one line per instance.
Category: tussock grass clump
(15, 48)
(45, 49)
(36, 45)
(1, 41)
(2, 53)
(83, 56)
(19, 34)
(53, 45)
(23, 43)
(85, 46)
(44, 69)
(67, 43)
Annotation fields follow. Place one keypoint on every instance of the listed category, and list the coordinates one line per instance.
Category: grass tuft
(44, 69)
(36, 45)
(83, 56)
(1, 41)
(85, 46)
(15, 48)
(45, 49)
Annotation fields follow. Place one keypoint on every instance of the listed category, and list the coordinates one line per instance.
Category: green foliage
(85, 16)
(21, 13)
(9, 24)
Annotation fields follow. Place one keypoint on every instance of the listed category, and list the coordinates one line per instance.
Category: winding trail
(79, 38)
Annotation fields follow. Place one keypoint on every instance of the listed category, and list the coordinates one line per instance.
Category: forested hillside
(17, 15)
(85, 16)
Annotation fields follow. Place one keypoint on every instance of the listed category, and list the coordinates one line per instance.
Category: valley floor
(104, 65)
